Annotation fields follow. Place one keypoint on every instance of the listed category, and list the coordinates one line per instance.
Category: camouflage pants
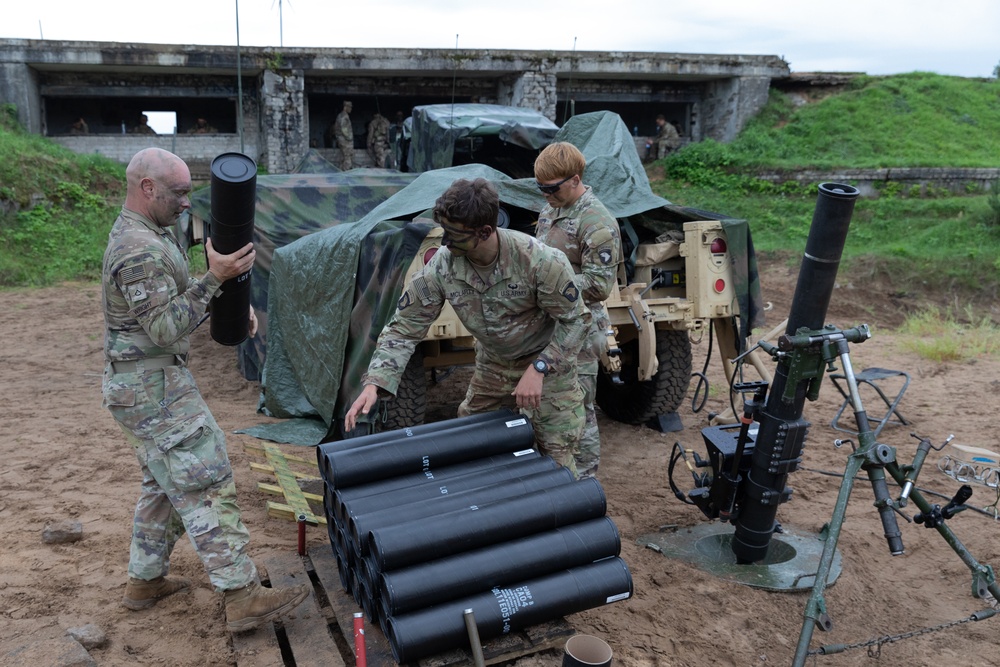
(187, 483)
(557, 423)
(378, 153)
(590, 441)
(346, 155)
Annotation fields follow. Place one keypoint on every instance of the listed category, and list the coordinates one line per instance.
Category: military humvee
(332, 291)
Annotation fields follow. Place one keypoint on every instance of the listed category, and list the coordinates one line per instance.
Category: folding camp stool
(871, 377)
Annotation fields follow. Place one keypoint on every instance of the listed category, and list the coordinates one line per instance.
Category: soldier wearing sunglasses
(519, 299)
(577, 223)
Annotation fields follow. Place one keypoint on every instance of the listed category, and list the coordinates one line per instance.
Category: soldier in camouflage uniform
(667, 137)
(577, 223)
(518, 298)
(378, 139)
(151, 305)
(343, 134)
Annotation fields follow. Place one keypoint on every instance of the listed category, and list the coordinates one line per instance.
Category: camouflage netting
(331, 292)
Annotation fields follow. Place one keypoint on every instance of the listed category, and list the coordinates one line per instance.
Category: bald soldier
(151, 306)
(519, 299)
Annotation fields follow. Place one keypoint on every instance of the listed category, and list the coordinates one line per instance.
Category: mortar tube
(324, 449)
(472, 572)
(341, 497)
(434, 449)
(501, 611)
(817, 276)
(385, 436)
(362, 524)
(394, 547)
(422, 492)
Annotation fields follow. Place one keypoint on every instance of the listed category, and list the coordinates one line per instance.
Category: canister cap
(233, 168)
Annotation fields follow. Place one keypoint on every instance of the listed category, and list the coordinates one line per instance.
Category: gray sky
(874, 36)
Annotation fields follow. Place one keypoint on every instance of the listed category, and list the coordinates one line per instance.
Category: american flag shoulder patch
(131, 274)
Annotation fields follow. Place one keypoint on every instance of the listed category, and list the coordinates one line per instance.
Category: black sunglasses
(553, 188)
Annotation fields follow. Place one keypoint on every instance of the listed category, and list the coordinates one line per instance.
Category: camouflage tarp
(435, 128)
(327, 307)
(313, 162)
(290, 206)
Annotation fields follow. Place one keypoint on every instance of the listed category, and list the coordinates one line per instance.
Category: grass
(941, 336)
(56, 208)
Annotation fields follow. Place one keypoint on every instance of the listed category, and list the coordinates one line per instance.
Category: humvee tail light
(718, 245)
(720, 286)
(428, 254)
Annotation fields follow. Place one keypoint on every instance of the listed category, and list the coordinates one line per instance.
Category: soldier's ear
(484, 232)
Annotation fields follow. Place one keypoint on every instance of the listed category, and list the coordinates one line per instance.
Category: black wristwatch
(541, 366)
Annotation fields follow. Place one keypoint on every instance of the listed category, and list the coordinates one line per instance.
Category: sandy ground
(64, 458)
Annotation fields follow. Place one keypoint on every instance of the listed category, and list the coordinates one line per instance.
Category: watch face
(541, 367)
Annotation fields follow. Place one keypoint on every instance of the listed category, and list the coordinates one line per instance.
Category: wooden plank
(283, 511)
(258, 449)
(276, 490)
(306, 627)
(263, 467)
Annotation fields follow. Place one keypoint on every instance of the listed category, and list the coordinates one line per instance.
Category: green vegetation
(919, 240)
(943, 337)
(56, 208)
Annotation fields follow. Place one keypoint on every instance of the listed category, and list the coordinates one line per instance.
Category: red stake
(360, 657)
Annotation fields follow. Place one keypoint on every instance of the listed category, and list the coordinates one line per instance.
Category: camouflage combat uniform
(378, 139)
(343, 133)
(151, 305)
(667, 139)
(528, 308)
(590, 237)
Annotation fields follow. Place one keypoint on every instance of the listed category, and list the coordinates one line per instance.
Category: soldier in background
(378, 139)
(518, 298)
(151, 306)
(667, 138)
(577, 223)
(396, 141)
(343, 133)
(79, 126)
(201, 126)
(143, 126)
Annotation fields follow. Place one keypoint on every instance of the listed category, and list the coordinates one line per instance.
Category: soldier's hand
(528, 392)
(225, 267)
(363, 403)
(253, 323)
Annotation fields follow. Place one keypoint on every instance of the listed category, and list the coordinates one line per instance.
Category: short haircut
(661, 117)
(473, 204)
(559, 160)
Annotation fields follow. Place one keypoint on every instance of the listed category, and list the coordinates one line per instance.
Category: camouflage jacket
(529, 307)
(378, 132)
(150, 303)
(590, 237)
(343, 131)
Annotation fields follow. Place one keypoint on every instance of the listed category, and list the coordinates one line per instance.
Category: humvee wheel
(410, 404)
(637, 402)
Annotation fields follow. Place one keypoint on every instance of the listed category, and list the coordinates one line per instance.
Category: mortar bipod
(877, 459)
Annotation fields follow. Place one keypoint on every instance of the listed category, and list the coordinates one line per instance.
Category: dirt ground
(64, 458)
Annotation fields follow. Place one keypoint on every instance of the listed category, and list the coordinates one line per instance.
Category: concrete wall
(290, 95)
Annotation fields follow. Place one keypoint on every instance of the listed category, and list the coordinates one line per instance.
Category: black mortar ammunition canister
(234, 199)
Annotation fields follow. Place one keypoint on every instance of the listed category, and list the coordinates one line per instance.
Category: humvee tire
(409, 406)
(635, 402)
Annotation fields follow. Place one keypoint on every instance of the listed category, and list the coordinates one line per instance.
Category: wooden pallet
(297, 501)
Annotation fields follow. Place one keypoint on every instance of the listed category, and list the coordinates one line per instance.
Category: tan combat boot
(253, 605)
(142, 594)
